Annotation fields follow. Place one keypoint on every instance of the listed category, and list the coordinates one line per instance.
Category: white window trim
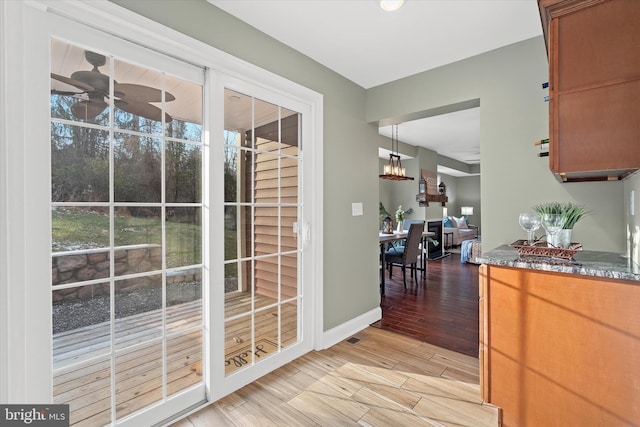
(222, 81)
(22, 369)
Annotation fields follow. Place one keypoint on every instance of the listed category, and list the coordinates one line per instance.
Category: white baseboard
(347, 329)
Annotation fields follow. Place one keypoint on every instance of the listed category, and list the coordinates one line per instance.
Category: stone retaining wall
(92, 264)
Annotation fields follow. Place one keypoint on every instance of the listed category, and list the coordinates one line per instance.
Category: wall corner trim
(348, 328)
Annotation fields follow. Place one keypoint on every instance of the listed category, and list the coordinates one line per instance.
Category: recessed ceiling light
(390, 5)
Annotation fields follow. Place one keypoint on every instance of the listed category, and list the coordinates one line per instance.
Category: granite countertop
(587, 263)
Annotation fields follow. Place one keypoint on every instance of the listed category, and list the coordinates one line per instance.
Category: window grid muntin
(111, 204)
(251, 149)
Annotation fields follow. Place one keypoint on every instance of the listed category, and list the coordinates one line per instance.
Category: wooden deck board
(92, 341)
(82, 364)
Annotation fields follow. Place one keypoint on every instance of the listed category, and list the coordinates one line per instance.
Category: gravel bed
(76, 314)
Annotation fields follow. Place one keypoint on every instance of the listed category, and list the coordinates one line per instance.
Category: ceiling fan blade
(80, 85)
(65, 93)
(88, 110)
(141, 93)
(95, 79)
(142, 109)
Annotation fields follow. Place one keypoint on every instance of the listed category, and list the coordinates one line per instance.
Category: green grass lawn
(77, 228)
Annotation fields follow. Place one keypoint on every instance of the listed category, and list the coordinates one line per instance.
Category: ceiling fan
(132, 98)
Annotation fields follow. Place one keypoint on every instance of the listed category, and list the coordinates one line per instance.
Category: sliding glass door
(126, 234)
(166, 255)
(262, 217)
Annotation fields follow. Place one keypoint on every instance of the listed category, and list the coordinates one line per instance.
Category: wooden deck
(82, 357)
(238, 352)
(82, 363)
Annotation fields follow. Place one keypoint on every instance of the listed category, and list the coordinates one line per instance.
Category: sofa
(470, 250)
(460, 228)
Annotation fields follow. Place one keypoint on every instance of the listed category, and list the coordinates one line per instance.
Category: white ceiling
(368, 46)
(455, 135)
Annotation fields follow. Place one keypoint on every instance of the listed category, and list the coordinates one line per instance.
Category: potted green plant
(571, 213)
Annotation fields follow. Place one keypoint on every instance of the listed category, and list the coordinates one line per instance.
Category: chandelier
(394, 170)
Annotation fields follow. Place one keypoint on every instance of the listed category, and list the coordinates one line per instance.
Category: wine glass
(552, 223)
(529, 222)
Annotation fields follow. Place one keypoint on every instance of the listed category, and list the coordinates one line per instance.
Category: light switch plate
(356, 209)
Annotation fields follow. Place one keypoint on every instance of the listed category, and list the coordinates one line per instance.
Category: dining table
(386, 238)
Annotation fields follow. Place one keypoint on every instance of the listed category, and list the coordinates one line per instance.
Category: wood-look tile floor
(382, 379)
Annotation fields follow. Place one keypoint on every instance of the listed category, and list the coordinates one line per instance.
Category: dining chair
(406, 224)
(406, 255)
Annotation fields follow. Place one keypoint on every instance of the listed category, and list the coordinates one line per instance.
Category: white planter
(561, 239)
(564, 237)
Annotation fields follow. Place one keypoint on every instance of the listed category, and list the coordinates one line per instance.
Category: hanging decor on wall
(429, 190)
(394, 170)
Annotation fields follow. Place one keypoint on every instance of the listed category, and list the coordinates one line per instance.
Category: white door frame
(24, 349)
(220, 82)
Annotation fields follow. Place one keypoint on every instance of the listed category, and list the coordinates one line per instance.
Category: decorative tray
(541, 249)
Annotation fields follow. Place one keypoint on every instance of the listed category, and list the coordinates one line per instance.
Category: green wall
(467, 193)
(513, 115)
(350, 148)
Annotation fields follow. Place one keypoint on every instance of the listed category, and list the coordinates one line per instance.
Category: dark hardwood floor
(442, 309)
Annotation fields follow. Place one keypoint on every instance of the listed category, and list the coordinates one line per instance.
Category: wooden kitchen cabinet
(559, 349)
(594, 87)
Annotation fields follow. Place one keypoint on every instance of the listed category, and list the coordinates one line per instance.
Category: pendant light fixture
(394, 170)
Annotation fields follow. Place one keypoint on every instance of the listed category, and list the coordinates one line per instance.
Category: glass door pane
(126, 168)
(261, 215)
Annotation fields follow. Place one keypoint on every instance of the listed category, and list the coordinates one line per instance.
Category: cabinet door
(483, 336)
(598, 129)
(560, 349)
(598, 45)
(594, 88)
